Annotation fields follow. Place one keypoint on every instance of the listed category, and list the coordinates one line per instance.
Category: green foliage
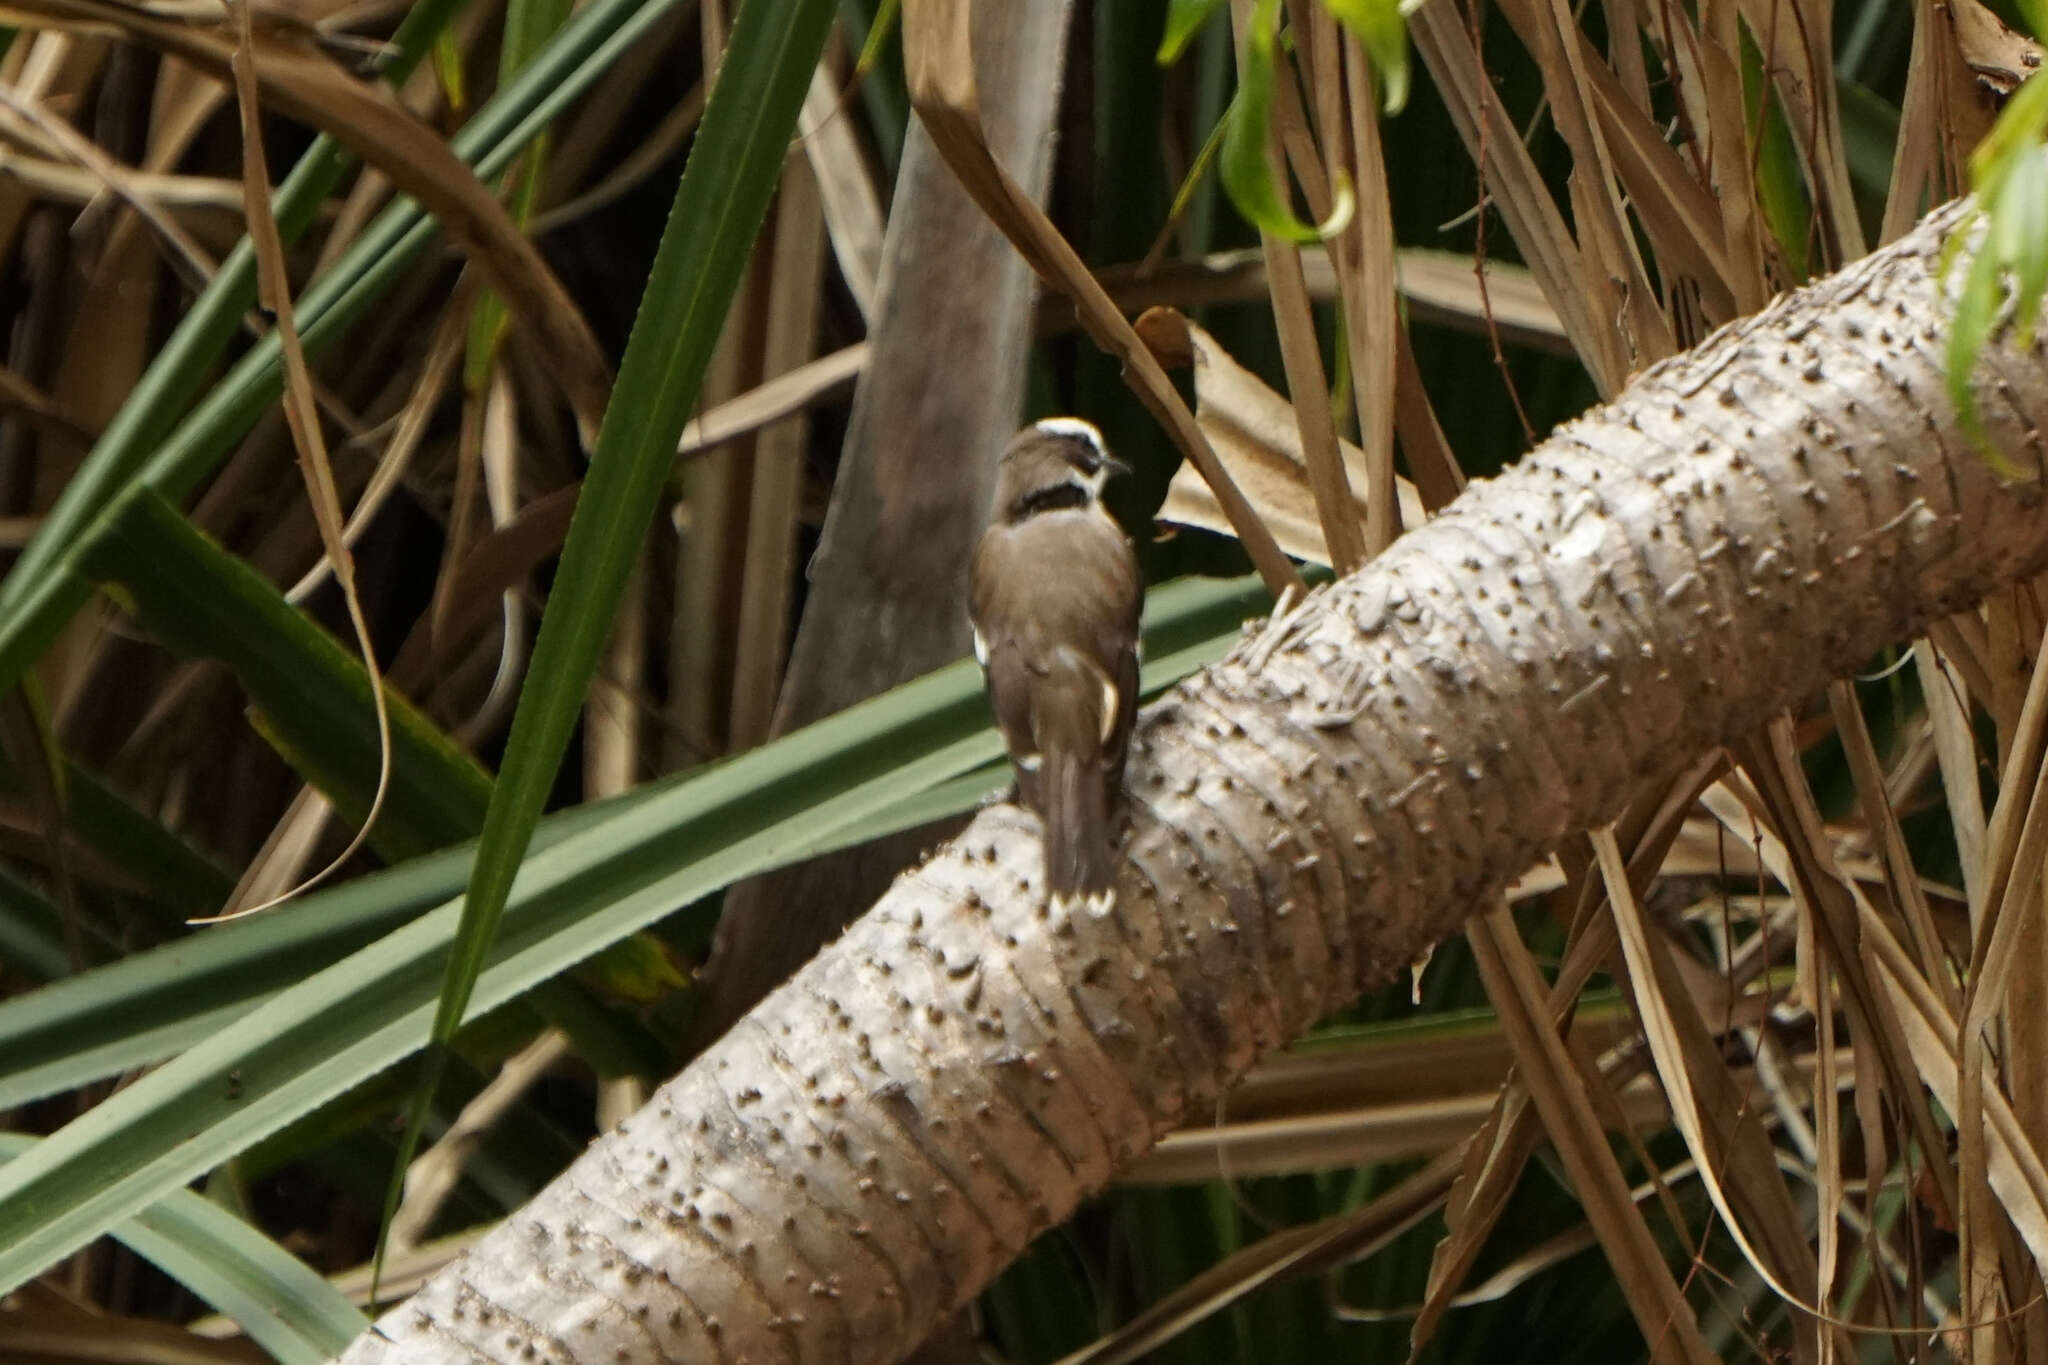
(1381, 27)
(719, 205)
(602, 875)
(2008, 269)
(1184, 19)
(299, 1318)
(1245, 162)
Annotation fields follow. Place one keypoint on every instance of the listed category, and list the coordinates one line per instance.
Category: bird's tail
(1076, 815)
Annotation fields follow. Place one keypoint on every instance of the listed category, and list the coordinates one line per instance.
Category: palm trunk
(879, 1138)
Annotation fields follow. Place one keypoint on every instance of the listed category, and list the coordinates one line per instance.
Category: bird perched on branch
(1054, 598)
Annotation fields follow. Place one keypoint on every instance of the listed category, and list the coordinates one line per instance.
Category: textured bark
(869, 1147)
(939, 397)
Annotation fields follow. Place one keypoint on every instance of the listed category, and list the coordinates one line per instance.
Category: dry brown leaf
(1724, 1134)
(1815, 972)
(1879, 813)
(1924, 168)
(498, 461)
(287, 850)
(1443, 286)
(296, 80)
(796, 279)
(64, 183)
(22, 399)
(1375, 335)
(1947, 698)
(786, 393)
(1253, 431)
(1613, 272)
(1496, 1155)
(57, 1331)
(658, 149)
(1558, 1091)
(1327, 1111)
(442, 354)
(1341, 86)
(303, 416)
(2000, 57)
(846, 186)
(435, 1173)
(1799, 39)
(498, 564)
(1726, 138)
(1677, 212)
(1438, 286)
(1781, 815)
(1292, 1251)
(2026, 741)
(1438, 476)
(2015, 1169)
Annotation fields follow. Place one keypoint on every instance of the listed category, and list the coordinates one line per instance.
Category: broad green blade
(31, 931)
(284, 1307)
(313, 697)
(604, 878)
(731, 174)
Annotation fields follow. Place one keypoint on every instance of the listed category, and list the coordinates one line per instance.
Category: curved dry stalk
(301, 414)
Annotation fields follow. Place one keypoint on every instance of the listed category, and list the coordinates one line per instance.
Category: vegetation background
(207, 528)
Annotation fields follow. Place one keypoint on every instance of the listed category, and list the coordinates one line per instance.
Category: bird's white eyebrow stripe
(1078, 427)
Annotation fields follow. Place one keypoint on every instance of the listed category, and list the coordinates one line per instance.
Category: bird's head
(1059, 462)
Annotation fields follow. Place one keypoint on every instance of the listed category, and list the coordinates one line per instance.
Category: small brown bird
(1054, 598)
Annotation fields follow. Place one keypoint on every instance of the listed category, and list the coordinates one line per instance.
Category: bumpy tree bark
(870, 1146)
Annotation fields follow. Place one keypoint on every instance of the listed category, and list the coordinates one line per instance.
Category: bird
(1054, 598)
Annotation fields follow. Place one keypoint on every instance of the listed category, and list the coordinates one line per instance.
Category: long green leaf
(1379, 27)
(284, 1307)
(31, 930)
(154, 1004)
(2009, 173)
(1184, 19)
(313, 696)
(348, 1022)
(731, 174)
(177, 879)
(601, 881)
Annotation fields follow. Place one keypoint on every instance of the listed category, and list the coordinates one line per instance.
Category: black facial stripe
(1050, 499)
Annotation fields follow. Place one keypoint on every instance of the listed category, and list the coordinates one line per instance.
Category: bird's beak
(1114, 468)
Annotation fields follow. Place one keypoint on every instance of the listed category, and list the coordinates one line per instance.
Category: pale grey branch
(881, 1136)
